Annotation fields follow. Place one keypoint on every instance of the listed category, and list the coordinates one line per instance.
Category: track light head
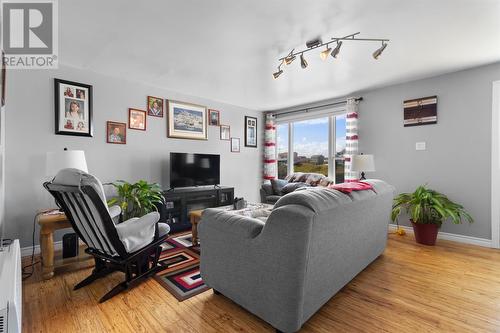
(379, 51)
(313, 42)
(277, 73)
(336, 50)
(289, 59)
(324, 54)
(303, 62)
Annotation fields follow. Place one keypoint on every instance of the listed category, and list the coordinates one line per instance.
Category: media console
(180, 201)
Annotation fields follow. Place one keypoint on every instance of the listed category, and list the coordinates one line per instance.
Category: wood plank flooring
(451, 287)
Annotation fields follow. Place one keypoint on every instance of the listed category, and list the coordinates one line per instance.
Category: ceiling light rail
(317, 43)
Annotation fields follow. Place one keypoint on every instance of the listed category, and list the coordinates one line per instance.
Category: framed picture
(213, 117)
(235, 145)
(186, 121)
(137, 119)
(250, 131)
(420, 111)
(73, 108)
(225, 132)
(155, 106)
(116, 132)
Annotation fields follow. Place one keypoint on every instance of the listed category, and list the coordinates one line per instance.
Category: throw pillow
(290, 187)
(277, 185)
(314, 179)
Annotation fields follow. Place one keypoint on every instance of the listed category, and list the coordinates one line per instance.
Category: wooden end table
(194, 218)
(50, 222)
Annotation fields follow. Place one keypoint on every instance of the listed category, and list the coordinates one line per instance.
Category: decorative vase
(425, 233)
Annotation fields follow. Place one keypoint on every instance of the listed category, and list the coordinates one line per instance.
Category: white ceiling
(227, 50)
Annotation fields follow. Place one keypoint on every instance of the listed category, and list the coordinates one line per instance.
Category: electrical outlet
(420, 146)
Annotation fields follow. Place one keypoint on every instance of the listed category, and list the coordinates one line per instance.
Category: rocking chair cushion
(114, 212)
(137, 232)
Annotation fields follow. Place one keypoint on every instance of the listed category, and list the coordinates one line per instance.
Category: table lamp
(362, 163)
(65, 159)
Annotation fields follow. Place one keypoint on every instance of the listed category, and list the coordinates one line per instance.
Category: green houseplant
(137, 199)
(427, 210)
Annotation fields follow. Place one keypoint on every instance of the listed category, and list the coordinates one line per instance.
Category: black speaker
(70, 245)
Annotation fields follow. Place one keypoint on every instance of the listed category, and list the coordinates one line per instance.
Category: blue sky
(311, 136)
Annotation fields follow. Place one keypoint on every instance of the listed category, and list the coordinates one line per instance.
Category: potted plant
(137, 199)
(427, 210)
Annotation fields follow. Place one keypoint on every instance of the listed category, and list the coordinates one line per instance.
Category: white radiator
(10, 288)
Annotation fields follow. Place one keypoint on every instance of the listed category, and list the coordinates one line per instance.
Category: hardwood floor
(411, 288)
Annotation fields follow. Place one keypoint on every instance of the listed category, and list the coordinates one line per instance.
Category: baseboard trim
(26, 251)
(453, 237)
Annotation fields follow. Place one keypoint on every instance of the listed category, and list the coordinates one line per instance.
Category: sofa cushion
(294, 176)
(277, 185)
(271, 199)
(290, 187)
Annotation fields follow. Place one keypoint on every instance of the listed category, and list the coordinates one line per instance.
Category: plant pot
(425, 233)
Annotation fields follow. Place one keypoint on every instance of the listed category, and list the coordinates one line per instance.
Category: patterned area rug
(181, 276)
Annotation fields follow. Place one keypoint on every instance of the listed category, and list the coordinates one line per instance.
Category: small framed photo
(213, 117)
(235, 145)
(137, 119)
(225, 132)
(116, 132)
(73, 108)
(155, 106)
(250, 131)
(186, 120)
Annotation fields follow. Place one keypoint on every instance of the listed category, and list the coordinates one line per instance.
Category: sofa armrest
(136, 232)
(235, 224)
(267, 188)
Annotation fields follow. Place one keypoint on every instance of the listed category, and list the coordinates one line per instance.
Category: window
(313, 145)
(310, 146)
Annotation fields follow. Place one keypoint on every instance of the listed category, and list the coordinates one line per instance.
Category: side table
(49, 222)
(194, 218)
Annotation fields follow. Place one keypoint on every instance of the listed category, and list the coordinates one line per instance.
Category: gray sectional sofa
(313, 243)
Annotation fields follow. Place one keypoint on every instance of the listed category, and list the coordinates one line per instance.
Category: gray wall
(457, 161)
(30, 134)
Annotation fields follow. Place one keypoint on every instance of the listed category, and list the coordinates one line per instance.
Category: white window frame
(331, 113)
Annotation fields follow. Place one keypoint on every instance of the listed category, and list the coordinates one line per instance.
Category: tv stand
(180, 201)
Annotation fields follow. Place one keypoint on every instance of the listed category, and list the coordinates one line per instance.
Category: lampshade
(363, 163)
(65, 159)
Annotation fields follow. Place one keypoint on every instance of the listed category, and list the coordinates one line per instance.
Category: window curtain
(351, 139)
(270, 148)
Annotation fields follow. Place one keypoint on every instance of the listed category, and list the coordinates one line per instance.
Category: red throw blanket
(352, 186)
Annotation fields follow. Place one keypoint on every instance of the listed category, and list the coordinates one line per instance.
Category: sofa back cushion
(277, 185)
(290, 187)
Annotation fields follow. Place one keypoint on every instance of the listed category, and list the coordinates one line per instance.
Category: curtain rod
(316, 107)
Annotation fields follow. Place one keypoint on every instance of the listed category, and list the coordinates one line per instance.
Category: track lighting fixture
(379, 51)
(336, 50)
(288, 60)
(324, 54)
(303, 62)
(277, 73)
(316, 43)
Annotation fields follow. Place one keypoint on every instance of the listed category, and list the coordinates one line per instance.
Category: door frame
(495, 165)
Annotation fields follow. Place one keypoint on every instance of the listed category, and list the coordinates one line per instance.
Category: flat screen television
(194, 169)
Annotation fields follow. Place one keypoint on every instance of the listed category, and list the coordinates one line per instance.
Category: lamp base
(362, 176)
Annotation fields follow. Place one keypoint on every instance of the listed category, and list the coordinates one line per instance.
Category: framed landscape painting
(73, 108)
(186, 121)
(250, 132)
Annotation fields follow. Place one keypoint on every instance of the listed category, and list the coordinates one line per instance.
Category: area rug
(181, 276)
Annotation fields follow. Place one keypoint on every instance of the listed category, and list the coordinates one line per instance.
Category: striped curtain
(270, 148)
(351, 140)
